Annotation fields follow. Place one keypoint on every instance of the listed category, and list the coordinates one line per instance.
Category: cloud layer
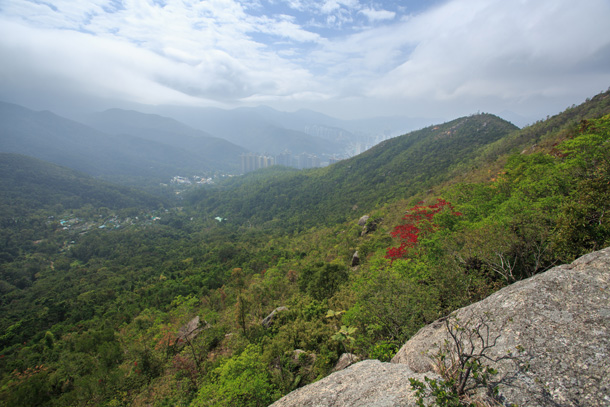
(347, 57)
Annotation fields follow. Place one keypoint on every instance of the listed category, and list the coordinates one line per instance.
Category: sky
(346, 58)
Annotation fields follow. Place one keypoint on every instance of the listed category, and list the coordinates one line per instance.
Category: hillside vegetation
(399, 167)
(100, 316)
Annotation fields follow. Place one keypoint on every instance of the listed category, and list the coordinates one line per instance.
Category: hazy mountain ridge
(53, 138)
(252, 129)
(318, 133)
(236, 125)
(217, 152)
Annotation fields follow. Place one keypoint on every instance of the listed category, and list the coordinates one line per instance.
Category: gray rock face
(344, 361)
(362, 220)
(355, 259)
(369, 383)
(560, 318)
(268, 320)
(190, 331)
(371, 226)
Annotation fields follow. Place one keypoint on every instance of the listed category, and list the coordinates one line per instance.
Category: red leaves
(406, 232)
(419, 222)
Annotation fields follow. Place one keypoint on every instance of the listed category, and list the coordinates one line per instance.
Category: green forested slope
(36, 194)
(541, 135)
(395, 168)
(29, 183)
(97, 320)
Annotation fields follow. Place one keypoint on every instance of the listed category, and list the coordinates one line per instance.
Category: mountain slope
(98, 318)
(255, 130)
(540, 136)
(52, 138)
(216, 152)
(396, 168)
(30, 184)
(550, 314)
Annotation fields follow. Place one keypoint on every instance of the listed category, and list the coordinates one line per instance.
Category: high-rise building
(252, 162)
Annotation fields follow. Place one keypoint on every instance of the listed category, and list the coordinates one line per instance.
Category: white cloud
(378, 15)
(330, 6)
(285, 26)
(510, 50)
(456, 54)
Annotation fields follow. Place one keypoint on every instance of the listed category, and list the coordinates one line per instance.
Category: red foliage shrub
(419, 221)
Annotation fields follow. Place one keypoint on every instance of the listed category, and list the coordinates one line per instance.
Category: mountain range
(263, 129)
(131, 150)
(135, 147)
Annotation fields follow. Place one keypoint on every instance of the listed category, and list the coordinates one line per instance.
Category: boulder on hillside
(362, 220)
(370, 226)
(557, 322)
(355, 259)
(190, 331)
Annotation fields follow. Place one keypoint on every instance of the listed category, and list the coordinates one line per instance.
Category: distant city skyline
(346, 58)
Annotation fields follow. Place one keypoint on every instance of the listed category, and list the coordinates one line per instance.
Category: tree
(419, 223)
(242, 380)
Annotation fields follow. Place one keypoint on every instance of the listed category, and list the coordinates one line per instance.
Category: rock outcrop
(560, 320)
(190, 331)
(268, 320)
(355, 259)
(370, 226)
(345, 360)
(369, 383)
(362, 220)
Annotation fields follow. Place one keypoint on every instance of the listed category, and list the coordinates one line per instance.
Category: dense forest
(113, 297)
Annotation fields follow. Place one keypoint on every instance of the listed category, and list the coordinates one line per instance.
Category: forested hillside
(36, 195)
(398, 167)
(100, 315)
(29, 183)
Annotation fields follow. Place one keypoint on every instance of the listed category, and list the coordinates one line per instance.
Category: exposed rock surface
(189, 331)
(268, 320)
(362, 220)
(561, 318)
(355, 259)
(371, 226)
(369, 383)
(345, 360)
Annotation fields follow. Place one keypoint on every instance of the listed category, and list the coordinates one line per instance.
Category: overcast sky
(347, 58)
